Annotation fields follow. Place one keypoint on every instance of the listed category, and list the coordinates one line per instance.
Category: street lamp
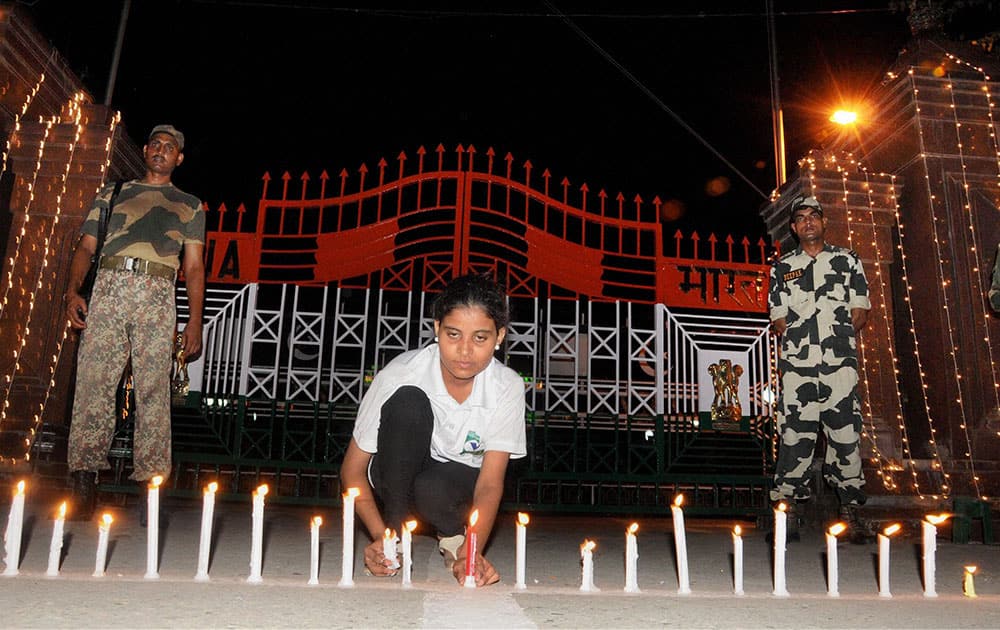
(844, 117)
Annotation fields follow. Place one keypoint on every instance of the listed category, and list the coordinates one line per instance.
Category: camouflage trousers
(814, 397)
(130, 316)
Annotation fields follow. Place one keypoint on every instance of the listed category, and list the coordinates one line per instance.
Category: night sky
(274, 86)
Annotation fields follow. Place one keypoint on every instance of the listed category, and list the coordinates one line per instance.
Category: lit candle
(522, 534)
(929, 531)
(968, 582)
(780, 532)
(205, 545)
(832, 579)
(587, 555)
(408, 528)
(631, 559)
(55, 547)
(257, 535)
(738, 560)
(314, 549)
(883, 559)
(680, 543)
(153, 527)
(12, 538)
(347, 556)
(102, 545)
(471, 548)
(389, 549)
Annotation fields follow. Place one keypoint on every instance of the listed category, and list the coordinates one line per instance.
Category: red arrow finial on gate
(323, 178)
(305, 182)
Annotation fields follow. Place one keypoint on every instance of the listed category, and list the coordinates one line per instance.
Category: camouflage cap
(804, 202)
(170, 130)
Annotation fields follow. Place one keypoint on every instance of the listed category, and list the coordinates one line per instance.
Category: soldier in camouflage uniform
(819, 301)
(153, 230)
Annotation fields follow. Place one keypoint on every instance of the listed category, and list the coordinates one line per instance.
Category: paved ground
(552, 600)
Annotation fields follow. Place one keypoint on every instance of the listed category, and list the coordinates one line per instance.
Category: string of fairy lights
(868, 429)
(977, 253)
(73, 116)
(942, 282)
(29, 98)
(976, 281)
(883, 309)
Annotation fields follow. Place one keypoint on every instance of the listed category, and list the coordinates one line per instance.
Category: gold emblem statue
(726, 382)
(180, 385)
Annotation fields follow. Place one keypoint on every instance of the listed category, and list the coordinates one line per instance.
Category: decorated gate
(310, 294)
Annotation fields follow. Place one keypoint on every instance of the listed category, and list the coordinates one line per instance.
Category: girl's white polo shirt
(490, 419)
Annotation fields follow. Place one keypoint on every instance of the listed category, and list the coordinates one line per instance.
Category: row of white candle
(13, 535)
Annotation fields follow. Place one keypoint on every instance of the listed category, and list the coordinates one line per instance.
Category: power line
(656, 99)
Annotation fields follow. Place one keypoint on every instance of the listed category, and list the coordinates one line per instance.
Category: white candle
(883, 559)
(12, 537)
(314, 550)
(102, 545)
(631, 559)
(929, 531)
(587, 555)
(389, 547)
(738, 560)
(407, 543)
(968, 582)
(832, 577)
(471, 549)
(205, 544)
(780, 532)
(153, 528)
(257, 535)
(347, 556)
(55, 547)
(680, 543)
(519, 559)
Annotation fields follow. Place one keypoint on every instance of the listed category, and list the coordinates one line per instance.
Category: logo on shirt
(473, 444)
(791, 275)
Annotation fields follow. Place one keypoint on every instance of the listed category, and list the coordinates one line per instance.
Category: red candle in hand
(470, 550)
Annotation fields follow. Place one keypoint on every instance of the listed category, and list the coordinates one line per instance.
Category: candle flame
(937, 519)
(62, 510)
(892, 529)
(837, 528)
(410, 525)
(156, 481)
(633, 528)
(352, 492)
(212, 487)
(522, 518)
(678, 500)
(262, 490)
(473, 518)
(20, 487)
(971, 568)
(107, 519)
(389, 534)
(782, 507)
(317, 521)
(588, 545)
(738, 530)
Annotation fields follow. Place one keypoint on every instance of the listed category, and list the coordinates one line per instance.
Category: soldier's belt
(137, 265)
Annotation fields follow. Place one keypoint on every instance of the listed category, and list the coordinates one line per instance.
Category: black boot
(84, 495)
(858, 532)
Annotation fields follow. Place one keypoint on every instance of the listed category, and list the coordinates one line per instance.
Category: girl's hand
(486, 573)
(376, 562)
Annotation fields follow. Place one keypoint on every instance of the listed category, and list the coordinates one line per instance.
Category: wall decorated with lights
(58, 150)
(933, 138)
